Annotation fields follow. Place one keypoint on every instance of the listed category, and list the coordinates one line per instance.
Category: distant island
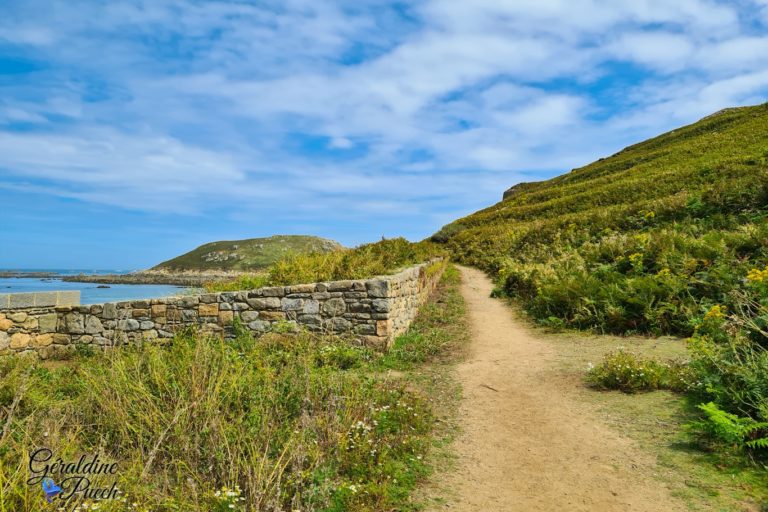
(216, 261)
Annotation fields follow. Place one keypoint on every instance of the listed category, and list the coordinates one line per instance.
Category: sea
(90, 293)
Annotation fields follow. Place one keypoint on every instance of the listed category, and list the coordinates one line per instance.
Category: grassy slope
(250, 254)
(636, 242)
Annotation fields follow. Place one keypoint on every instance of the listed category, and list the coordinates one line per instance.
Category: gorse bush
(365, 261)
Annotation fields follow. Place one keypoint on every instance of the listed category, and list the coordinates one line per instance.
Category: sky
(133, 131)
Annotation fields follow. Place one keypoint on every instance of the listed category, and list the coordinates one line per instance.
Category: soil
(527, 443)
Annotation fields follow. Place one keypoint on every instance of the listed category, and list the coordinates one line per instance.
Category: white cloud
(191, 106)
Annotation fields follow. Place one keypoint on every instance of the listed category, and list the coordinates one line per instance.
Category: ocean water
(89, 292)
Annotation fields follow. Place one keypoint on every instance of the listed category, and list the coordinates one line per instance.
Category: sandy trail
(526, 445)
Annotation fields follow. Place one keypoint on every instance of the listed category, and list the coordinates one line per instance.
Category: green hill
(250, 254)
(642, 241)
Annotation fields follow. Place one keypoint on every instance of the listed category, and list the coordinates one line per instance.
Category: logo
(87, 478)
(50, 489)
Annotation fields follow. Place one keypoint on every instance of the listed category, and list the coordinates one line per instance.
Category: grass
(283, 422)
(706, 480)
(252, 254)
(368, 260)
(666, 237)
(640, 242)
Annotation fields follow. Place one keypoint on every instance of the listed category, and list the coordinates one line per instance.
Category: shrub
(631, 373)
(380, 258)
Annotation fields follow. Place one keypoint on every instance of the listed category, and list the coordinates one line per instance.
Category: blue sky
(132, 131)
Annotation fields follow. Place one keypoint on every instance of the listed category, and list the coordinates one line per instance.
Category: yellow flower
(650, 215)
(636, 258)
(716, 312)
(642, 238)
(758, 276)
(665, 272)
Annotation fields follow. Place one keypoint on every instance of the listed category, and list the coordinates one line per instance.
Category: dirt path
(526, 445)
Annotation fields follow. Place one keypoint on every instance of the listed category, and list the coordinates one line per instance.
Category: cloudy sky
(131, 131)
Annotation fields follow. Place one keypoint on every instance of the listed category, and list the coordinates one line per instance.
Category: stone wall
(369, 311)
(38, 299)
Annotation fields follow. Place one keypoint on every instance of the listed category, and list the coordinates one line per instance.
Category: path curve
(527, 446)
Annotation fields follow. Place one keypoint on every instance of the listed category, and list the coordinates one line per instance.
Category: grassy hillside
(367, 260)
(668, 236)
(638, 242)
(250, 254)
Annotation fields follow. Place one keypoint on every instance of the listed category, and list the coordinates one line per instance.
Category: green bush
(631, 373)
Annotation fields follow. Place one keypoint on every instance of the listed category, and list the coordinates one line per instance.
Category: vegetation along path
(525, 444)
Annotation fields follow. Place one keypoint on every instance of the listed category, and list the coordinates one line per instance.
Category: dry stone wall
(369, 311)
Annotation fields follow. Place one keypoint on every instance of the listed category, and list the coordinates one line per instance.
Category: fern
(731, 428)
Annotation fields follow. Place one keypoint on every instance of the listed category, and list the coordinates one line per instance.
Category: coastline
(177, 278)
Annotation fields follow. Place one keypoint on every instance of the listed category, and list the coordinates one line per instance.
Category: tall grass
(291, 422)
(365, 261)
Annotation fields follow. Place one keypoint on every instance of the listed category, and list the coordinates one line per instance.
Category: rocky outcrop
(178, 278)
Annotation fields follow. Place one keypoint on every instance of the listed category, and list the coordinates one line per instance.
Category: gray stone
(293, 304)
(365, 329)
(146, 325)
(110, 312)
(321, 287)
(300, 288)
(93, 325)
(358, 286)
(358, 307)
(140, 304)
(275, 291)
(101, 341)
(189, 302)
(128, 325)
(208, 298)
(259, 326)
(225, 306)
(338, 324)
(5, 340)
(311, 307)
(310, 320)
(74, 324)
(264, 303)
(339, 286)
(249, 316)
(377, 288)
(334, 307)
(241, 306)
(321, 295)
(188, 315)
(380, 305)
